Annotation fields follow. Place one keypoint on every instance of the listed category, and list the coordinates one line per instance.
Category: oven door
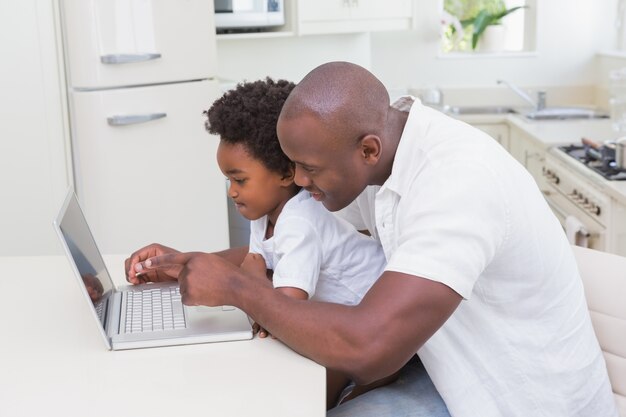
(581, 229)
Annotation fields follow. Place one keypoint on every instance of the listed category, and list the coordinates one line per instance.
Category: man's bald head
(334, 126)
(342, 96)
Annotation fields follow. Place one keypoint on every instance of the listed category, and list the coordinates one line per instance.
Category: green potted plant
(483, 19)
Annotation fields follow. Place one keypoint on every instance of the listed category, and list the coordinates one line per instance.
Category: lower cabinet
(154, 181)
(498, 131)
(528, 153)
(617, 227)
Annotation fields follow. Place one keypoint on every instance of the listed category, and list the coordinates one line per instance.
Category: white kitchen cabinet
(34, 139)
(345, 16)
(122, 43)
(525, 149)
(617, 228)
(498, 131)
(155, 181)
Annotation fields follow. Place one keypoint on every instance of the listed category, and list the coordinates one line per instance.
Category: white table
(53, 361)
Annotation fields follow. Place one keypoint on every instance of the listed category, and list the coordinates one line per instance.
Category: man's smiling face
(328, 167)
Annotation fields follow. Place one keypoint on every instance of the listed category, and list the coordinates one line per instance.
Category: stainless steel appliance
(248, 14)
(600, 158)
(583, 185)
(583, 209)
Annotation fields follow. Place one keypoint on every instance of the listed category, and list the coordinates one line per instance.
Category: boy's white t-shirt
(458, 209)
(315, 251)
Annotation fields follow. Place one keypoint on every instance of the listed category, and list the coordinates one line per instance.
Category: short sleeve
(298, 250)
(450, 225)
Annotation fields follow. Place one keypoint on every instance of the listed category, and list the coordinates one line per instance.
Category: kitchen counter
(54, 361)
(563, 132)
(550, 134)
(614, 189)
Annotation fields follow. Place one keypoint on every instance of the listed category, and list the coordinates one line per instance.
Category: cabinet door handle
(115, 59)
(124, 120)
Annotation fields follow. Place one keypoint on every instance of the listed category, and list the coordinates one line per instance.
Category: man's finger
(166, 261)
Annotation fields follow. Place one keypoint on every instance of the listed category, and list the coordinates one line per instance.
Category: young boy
(312, 254)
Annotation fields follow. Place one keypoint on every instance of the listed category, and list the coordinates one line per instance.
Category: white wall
(569, 34)
(290, 58)
(34, 170)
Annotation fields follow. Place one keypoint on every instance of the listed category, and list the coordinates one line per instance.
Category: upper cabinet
(306, 17)
(113, 43)
(345, 16)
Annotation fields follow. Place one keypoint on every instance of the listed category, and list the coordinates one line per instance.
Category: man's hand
(135, 272)
(205, 278)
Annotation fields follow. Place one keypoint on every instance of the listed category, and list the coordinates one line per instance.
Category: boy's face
(256, 190)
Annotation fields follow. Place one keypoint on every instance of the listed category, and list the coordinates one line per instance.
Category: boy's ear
(288, 177)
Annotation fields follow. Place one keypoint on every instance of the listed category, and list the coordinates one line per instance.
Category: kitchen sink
(566, 113)
(470, 110)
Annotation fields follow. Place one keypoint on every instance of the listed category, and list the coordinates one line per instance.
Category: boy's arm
(292, 292)
(254, 264)
(234, 255)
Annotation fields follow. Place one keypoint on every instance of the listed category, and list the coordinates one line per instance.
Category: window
(488, 26)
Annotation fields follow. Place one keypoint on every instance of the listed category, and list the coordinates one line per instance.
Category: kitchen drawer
(156, 181)
(345, 16)
(163, 41)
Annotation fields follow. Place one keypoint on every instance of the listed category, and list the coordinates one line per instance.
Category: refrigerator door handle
(124, 120)
(115, 59)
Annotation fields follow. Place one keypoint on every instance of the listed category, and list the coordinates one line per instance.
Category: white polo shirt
(318, 253)
(458, 209)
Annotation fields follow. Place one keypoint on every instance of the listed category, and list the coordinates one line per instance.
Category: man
(480, 281)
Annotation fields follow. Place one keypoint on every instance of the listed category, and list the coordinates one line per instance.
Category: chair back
(604, 279)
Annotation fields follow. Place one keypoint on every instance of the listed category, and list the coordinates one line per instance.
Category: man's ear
(371, 149)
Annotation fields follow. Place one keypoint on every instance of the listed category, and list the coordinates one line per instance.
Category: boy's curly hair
(248, 115)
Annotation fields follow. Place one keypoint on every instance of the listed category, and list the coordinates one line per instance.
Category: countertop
(550, 134)
(54, 361)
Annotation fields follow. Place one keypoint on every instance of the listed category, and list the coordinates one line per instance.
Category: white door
(145, 167)
(128, 42)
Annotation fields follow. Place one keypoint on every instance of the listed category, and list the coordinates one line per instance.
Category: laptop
(139, 316)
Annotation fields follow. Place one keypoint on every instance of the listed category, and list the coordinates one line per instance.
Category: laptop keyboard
(154, 310)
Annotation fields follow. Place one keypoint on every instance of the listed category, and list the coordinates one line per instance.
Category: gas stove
(601, 161)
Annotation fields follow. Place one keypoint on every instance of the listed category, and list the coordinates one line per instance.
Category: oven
(580, 206)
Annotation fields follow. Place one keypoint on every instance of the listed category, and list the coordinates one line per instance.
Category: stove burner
(595, 160)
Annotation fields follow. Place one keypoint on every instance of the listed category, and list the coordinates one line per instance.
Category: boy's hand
(136, 274)
(254, 264)
(257, 329)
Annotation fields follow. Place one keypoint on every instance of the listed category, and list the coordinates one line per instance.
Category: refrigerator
(140, 73)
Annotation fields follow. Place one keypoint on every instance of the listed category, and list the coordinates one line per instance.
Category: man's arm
(367, 342)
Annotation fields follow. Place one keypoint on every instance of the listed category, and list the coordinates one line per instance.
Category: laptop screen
(84, 254)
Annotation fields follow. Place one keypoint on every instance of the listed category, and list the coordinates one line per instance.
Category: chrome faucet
(538, 104)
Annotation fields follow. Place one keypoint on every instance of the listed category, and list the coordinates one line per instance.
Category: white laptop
(139, 316)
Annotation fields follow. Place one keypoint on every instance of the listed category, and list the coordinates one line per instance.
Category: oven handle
(559, 210)
(583, 231)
